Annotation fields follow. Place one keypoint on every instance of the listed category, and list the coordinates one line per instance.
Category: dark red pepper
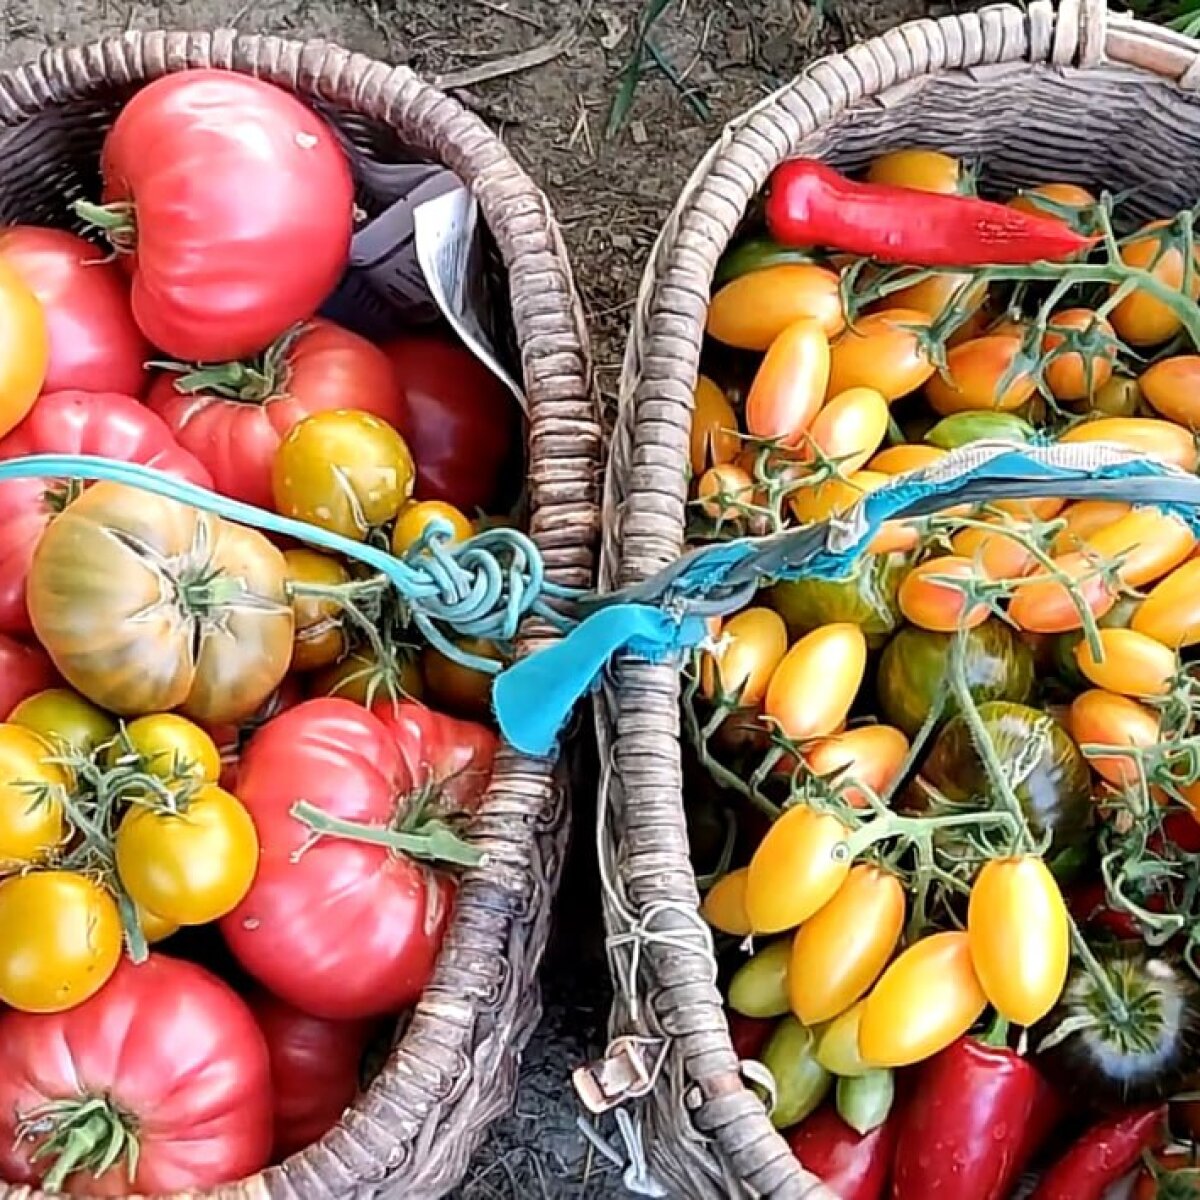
(854, 1166)
(975, 1119)
(810, 204)
(1103, 1155)
(749, 1034)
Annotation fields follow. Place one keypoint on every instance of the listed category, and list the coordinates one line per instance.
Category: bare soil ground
(612, 145)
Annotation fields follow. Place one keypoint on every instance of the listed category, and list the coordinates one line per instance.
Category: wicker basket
(455, 1068)
(1043, 94)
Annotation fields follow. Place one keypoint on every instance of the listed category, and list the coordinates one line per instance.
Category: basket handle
(664, 616)
(1080, 32)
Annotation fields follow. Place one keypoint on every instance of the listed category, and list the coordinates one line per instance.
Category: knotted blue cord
(483, 587)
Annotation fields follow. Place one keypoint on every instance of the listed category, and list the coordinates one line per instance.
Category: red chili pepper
(1103, 1155)
(810, 204)
(853, 1166)
(976, 1118)
(749, 1034)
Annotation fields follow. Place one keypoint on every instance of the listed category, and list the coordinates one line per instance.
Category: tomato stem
(117, 221)
(432, 841)
(85, 1134)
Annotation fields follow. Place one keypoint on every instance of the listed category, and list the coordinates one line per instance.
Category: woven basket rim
(703, 1103)
(454, 1069)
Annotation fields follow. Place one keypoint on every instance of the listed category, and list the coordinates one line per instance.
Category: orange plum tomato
(811, 690)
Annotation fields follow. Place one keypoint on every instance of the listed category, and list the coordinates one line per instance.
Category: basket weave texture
(1049, 93)
(454, 1070)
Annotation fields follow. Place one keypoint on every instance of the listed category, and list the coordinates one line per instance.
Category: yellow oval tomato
(65, 719)
(998, 553)
(192, 866)
(724, 905)
(33, 789)
(929, 598)
(870, 756)
(935, 294)
(1102, 718)
(60, 940)
(881, 351)
(714, 438)
(344, 470)
(789, 386)
(1172, 388)
(1121, 396)
(833, 497)
(896, 460)
(796, 870)
(974, 372)
(839, 951)
(24, 348)
(1019, 937)
(748, 649)
(921, 170)
(1170, 614)
(1084, 518)
(926, 999)
(170, 747)
(848, 430)
(1043, 604)
(813, 687)
(1147, 436)
(1060, 195)
(417, 515)
(1148, 542)
(1040, 508)
(1132, 663)
(320, 637)
(753, 310)
(1140, 318)
(363, 679)
(836, 1047)
(1073, 375)
(724, 492)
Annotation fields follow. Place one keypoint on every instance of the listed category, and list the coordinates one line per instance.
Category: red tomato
(240, 210)
(107, 424)
(164, 1050)
(314, 1070)
(339, 927)
(24, 671)
(459, 421)
(235, 428)
(449, 759)
(95, 344)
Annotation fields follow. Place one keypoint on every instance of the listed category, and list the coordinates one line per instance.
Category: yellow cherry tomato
(870, 756)
(1071, 375)
(921, 170)
(724, 905)
(1132, 663)
(748, 648)
(789, 387)
(65, 719)
(1170, 614)
(837, 1044)
(896, 460)
(60, 940)
(1100, 718)
(1140, 318)
(415, 517)
(32, 791)
(1084, 518)
(848, 430)
(1148, 543)
(155, 928)
(724, 492)
(926, 999)
(362, 678)
(839, 951)
(1146, 436)
(974, 373)
(813, 687)
(714, 438)
(320, 633)
(192, 866)
(929, 598)
(1019, 937)
(882, 351)
(752, 311)
(170, 747)
(796, 870)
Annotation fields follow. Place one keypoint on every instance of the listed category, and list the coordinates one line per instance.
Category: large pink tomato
(110, 425)
(95, 344)
(233, 417)
(335, 925)
(165, 1061)
(235, 205)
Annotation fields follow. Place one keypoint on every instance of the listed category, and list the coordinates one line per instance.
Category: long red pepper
(971, 1125)
(854, 1166)
(810, 204)
(1103, 1155)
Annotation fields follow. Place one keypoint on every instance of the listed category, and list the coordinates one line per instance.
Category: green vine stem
(431, 840)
